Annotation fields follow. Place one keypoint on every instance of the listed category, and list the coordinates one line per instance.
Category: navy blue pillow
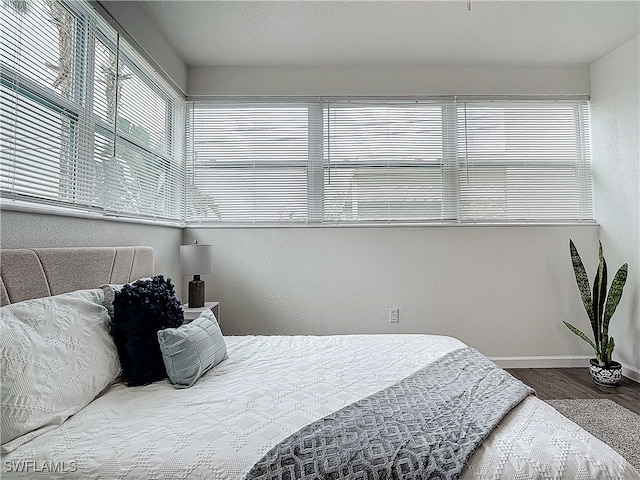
(140, 309)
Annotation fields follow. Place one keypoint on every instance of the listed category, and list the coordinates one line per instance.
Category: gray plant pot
(605, 376)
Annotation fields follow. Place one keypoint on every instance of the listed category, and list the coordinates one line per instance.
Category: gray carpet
(612, 423)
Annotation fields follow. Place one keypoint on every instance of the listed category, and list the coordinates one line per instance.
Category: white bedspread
(269, 388)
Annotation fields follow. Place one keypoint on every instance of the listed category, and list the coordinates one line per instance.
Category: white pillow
(56, 356)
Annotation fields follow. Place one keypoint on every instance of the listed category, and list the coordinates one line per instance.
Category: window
(385, 161)
(524, 161)
(249, 163)
(353, 161)
(86, 123)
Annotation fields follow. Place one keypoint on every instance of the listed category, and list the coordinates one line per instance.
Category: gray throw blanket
(425, 426)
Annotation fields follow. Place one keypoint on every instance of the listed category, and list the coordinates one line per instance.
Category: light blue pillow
(191, 350)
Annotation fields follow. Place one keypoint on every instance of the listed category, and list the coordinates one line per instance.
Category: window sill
(44, 209)
(212, 225)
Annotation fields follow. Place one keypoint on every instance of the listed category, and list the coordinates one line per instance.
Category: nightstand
(193, 313)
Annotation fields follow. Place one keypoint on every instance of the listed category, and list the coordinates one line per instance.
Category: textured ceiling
(534, 32)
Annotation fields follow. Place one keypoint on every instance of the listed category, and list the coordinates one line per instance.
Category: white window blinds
(524, 161)
(86, 122)
(248, 163)
(351, 161)
(387, 161)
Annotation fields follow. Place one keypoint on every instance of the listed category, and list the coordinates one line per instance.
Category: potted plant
(600, 308)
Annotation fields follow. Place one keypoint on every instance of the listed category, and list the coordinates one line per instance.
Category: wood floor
(562, 383)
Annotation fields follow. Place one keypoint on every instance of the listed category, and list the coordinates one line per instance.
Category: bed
(269, 388)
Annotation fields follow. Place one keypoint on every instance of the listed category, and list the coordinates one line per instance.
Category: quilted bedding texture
(269, 388)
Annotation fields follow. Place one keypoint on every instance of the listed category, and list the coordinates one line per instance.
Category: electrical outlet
(394, 315)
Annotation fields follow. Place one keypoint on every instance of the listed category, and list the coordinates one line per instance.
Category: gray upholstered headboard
(41, 272)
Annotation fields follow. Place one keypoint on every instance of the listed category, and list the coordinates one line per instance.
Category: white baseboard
(632, 373)
(564, 361)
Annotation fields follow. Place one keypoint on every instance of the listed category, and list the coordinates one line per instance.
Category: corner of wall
(135, 21)
(615, 132)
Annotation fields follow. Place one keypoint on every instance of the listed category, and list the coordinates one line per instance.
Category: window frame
(52, 101)
(451, 165)
(250, 164)
(86, 124)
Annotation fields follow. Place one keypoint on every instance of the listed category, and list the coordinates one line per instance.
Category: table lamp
(196, 260)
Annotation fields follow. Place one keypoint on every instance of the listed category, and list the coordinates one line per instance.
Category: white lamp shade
(196, 259)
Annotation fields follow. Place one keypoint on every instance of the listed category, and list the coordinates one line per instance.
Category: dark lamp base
(196, 292)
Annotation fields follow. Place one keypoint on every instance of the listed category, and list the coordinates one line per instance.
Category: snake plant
(599, 306)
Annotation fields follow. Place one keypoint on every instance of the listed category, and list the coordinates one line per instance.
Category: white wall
(503, 290)
(135, 21)
(388, 80)
(29, 230)
(615, 119)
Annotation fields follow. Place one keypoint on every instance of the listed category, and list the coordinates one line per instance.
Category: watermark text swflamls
(33, 466)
